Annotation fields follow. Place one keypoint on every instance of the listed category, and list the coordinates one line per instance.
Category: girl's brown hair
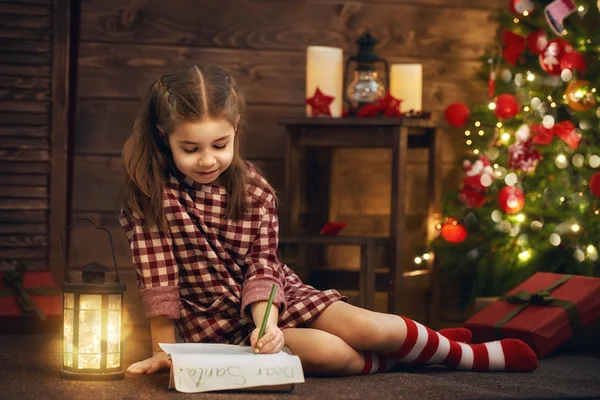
(190, 94)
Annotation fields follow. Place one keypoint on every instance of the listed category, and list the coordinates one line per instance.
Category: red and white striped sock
(457, 334)
(425, 346)
(375, 363)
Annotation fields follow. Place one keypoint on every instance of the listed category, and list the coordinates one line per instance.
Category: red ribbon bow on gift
(514, 46)
(564, 130)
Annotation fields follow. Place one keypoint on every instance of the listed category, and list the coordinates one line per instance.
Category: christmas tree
(530, 198)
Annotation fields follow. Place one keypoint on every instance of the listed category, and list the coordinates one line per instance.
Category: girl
(203, 229)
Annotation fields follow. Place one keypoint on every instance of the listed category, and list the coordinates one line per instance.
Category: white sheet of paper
(203, 367)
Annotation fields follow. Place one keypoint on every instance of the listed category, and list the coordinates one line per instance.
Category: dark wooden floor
(29, 369)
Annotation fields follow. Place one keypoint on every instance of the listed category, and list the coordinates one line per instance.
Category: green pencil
(267, 311)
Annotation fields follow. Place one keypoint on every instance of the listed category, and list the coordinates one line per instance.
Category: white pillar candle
(406, 84)
(325, 69)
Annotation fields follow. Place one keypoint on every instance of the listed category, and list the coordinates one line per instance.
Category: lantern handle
(62, 244)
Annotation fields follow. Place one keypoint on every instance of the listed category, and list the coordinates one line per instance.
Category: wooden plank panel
(23, 241)
(24, 46)
(97, 181)
(13, 192)
(28, 21)
(23, 216)
(126, 71)
(39, 84)
(9, 253)
(24, 155)
(23, 8)
(25, 70)
(33, 3)
(23, 204)
(23, 228)
(31, 264)
(25, 131)
(8, 142)
(23, 94)
(20, 118)
(293, 25)
(11, 32)
(273, 171)
(25, 106)
(96, 134)
(24, 167)
(361, 182)
(22, 58)
(89, 244)
(362, 200)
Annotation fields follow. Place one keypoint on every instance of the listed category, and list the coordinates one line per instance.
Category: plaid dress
(206, 271)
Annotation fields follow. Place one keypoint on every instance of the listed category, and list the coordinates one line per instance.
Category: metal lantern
(365, 87)
(92, 321)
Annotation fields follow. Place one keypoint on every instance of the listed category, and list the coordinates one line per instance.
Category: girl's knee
(333, 359)
(322, 353)
(367, 333)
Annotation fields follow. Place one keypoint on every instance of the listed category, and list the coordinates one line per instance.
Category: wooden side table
(399, 134)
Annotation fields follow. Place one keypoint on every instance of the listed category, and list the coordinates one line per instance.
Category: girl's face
(202, 150)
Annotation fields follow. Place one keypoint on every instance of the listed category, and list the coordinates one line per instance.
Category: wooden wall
(25, 80)
(34, 89)
(126, 45)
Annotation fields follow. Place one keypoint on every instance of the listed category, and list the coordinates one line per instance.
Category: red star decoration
(319, 103)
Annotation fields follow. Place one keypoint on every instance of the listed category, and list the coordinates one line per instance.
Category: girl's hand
(151, 365)
(271, 342)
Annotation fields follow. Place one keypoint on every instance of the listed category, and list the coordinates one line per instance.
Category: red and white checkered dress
(207, 270)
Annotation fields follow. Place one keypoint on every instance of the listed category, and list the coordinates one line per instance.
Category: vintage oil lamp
(365, 87)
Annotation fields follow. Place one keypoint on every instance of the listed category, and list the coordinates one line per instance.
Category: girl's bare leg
(322, 353)
(362, 329)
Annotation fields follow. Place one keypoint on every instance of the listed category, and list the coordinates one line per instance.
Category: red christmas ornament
(523, 155)
(573, 61)
(511, 199)
(457, 114)
(507, 106)
(552, 54)
(537, 41)
(453, 232)
(519, 7)
(319, 103)
(595, 184)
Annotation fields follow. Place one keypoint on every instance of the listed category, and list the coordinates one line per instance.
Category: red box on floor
(544, 311)
(30, 302)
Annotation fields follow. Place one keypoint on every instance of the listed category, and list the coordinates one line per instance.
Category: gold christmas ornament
(578, 95)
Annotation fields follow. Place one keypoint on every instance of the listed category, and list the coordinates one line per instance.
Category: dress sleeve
(155, 266)
(263, 267)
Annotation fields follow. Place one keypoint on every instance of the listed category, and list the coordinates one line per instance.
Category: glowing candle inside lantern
(325, 69)
(406, 84)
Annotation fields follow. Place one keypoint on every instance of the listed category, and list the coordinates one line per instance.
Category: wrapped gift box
(544, 311)
(30, 302)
